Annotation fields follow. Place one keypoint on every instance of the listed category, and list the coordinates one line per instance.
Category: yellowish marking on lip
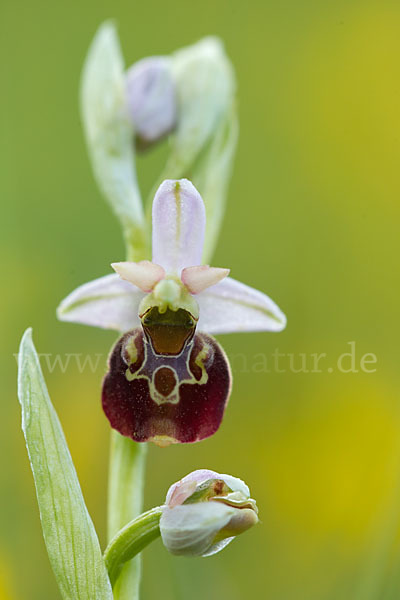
(162, 441)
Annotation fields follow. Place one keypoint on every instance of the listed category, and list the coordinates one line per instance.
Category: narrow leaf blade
(69, 534)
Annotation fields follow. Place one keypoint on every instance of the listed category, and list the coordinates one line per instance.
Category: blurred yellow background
(312, 220)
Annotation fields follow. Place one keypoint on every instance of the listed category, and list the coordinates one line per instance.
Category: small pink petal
(144, 274)
(200, 278)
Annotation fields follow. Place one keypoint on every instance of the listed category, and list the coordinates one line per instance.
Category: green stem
(131, 540)
(137, 242)
(125, 500)
(127, 465)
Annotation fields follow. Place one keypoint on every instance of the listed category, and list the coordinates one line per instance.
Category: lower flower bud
(204, 512)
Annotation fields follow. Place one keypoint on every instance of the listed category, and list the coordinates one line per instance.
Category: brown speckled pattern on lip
(195, 414)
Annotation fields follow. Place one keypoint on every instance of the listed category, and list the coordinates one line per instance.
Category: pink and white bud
(204, 512)
(151, 98)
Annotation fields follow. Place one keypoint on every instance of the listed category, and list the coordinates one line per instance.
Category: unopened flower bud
(204, 512)
(151, 98)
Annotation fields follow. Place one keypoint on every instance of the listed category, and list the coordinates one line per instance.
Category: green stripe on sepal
(68, 531)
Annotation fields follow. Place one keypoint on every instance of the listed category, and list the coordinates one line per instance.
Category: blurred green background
(313, 220)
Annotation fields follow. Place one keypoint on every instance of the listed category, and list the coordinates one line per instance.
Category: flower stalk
(131, 540)
(125, 503)
(125, 499)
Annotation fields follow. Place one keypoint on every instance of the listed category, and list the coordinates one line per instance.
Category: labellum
(166, 383)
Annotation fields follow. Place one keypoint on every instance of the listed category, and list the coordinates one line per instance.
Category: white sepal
(107, 302)
(190, 529)
(231, 306)
(178, 225)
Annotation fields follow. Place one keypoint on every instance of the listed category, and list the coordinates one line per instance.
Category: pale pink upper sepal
(107, 302)
(178, 225)
(144, 274)
(231, 306)
(197, 279)
(182, 489)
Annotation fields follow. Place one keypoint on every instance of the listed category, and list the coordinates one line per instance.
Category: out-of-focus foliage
(312, 220)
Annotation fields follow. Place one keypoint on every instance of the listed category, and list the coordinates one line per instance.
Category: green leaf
(109, 135)
(69, 534)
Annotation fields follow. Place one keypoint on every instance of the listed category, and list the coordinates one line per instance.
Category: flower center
(170, 294)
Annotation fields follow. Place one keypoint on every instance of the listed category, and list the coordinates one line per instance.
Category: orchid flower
(169, 380)
(204, 512)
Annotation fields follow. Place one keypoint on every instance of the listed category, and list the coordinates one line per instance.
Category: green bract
(212, 175)
(70, 537)
(205, 89)
(109, 135)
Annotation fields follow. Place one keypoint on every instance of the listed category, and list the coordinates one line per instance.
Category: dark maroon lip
(166, 398)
